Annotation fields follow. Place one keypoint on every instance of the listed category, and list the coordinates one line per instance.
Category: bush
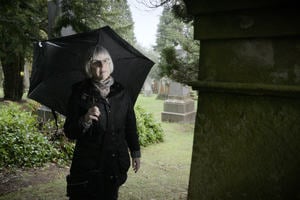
(149, 131)
(26, 143)
(56, 137)
(21, 144)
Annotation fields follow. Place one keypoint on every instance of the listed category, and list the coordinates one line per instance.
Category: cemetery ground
(164, 172)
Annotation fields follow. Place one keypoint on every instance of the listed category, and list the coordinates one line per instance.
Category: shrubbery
(21, 143)
(26, 143)
(64, 147)
(149, 131)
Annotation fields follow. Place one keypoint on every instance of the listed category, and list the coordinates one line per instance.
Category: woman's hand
(92, 114)
(136, 163)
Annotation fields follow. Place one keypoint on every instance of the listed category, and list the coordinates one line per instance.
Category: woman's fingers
(93, 114)
(93, 117)
(94, 111)
(136, 163)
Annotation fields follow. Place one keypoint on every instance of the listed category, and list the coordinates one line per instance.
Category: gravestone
(163, 88)
(65, 31)
(179, 107)
(44, 114)
(154, 86)
(147, 88)
(26, 76)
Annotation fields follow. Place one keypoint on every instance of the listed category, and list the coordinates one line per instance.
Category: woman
(101, 118)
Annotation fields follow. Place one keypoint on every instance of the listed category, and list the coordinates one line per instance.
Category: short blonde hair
(99, 50)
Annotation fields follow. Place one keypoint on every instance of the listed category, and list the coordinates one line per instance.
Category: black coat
(104, 146)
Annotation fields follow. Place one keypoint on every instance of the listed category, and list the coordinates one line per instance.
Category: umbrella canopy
(59, 63)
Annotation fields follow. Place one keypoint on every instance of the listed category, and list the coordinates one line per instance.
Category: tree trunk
(13, 70)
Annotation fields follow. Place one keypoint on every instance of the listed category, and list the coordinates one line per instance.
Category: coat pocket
(92, 185)
(76, 187)
(96, 183)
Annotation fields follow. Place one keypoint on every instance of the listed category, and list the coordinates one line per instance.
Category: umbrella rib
(132, 58)
(53, 44)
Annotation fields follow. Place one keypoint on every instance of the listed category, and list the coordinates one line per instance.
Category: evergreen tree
(121, 19)
(92, 14)
(21, 23)
(177, 6)
(179, 53)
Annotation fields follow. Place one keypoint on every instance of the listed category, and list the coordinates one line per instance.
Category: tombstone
(147, 88)
(26, 76)
(1, 75)
(163, 88)
(44, 114)
(154, 86)
(179, 107)
(65, 31)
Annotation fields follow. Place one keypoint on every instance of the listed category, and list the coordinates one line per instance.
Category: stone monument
(163, 88)
(44, 114)
(147, 90)
(179, 107)
(246, 136)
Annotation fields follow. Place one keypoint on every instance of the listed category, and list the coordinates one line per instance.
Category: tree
(179, 53)
(177, 6)
(21, 22)
(121, 20)
(84, 15)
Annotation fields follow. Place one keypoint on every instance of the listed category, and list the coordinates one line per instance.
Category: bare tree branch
(154, 3)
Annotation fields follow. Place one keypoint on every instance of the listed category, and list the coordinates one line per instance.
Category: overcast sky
(145, 22)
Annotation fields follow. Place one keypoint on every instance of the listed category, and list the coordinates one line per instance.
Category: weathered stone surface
(197, 7)
(272, 61)
(179, 107)
(147, 90)
(179, 111)
(249, 24)
(44, 114)
(247, 141)
(245, 147)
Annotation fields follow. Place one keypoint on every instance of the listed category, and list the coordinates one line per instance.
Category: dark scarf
(104, 86)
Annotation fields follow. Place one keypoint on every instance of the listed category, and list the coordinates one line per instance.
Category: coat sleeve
(73, 127)
(132, 137)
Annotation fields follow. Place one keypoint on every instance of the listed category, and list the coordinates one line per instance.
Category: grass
(151, 104)
(164, 172)
(165, 167)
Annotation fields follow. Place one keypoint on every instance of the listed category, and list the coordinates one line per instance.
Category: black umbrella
(59, 63)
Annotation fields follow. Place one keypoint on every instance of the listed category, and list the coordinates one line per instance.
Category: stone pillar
(179, 107)
(247, 130)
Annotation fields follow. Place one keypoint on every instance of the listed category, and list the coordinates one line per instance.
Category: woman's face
(100, 67)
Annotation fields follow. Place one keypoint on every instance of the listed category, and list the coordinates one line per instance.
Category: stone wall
(247, 133)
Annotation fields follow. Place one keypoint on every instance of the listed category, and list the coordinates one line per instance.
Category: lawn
(164, 172)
